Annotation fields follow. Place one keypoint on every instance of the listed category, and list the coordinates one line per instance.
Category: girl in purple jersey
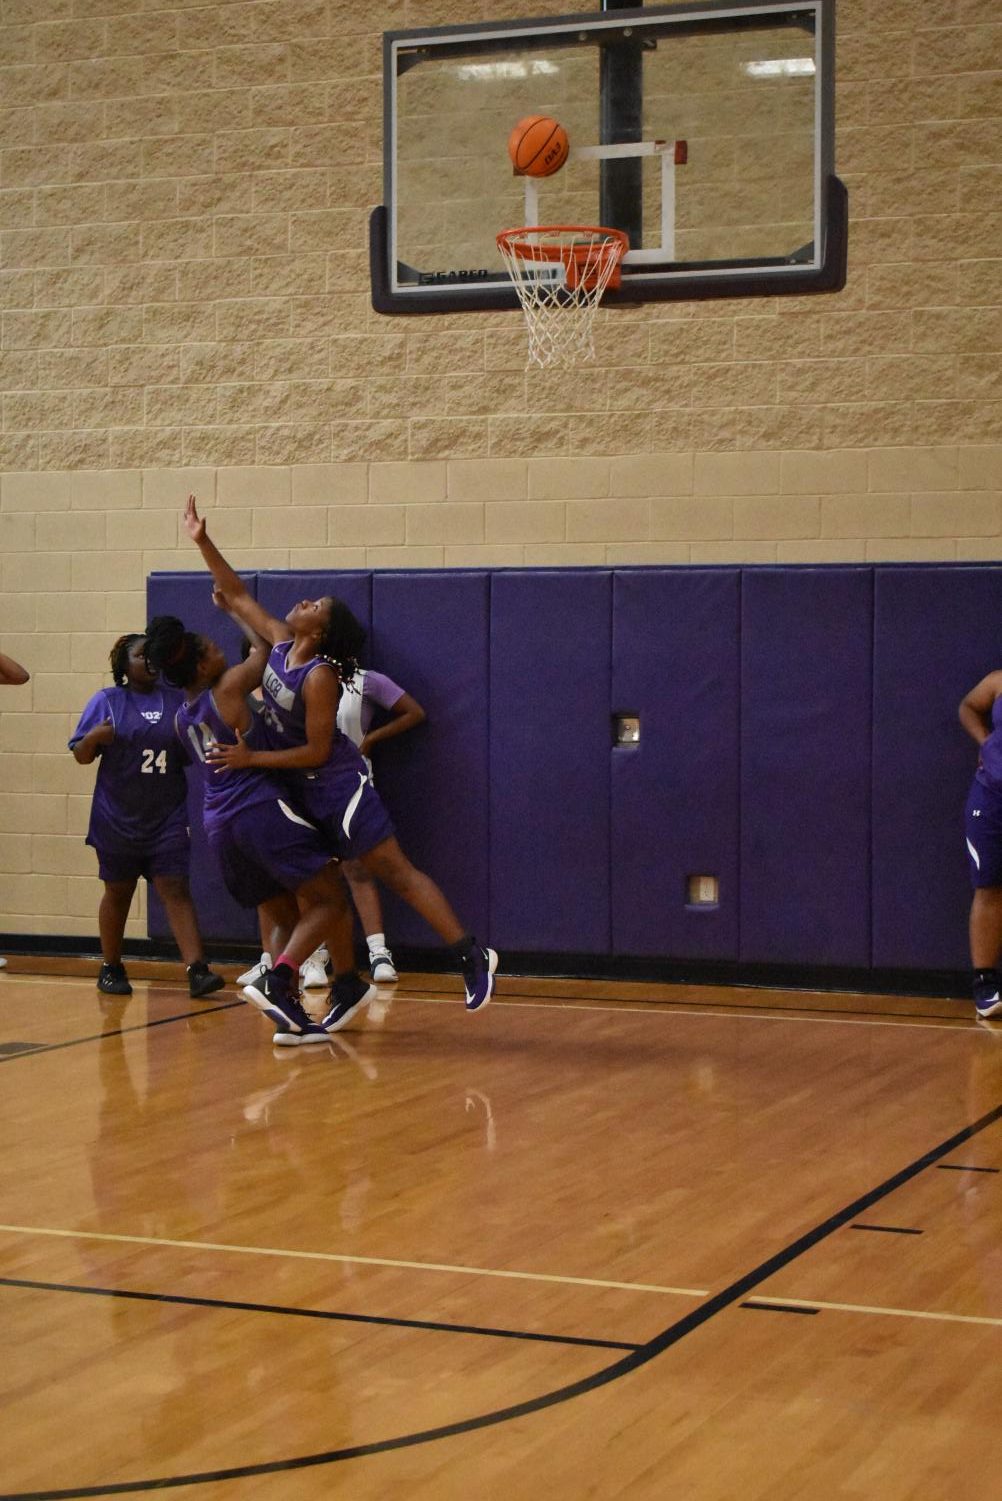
(138, 817)
(367, 693)
(264, 847)
(313, 650)
(981, 716)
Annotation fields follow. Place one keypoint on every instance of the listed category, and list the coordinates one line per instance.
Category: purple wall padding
(549, 764)
(189, 596)
(806, 668)
(675, 662)
(429, 634)
(937, 634)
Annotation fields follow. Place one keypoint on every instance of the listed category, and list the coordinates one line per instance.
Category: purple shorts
(350, 812)
(169, 856)
(266, 849)
(983, 827)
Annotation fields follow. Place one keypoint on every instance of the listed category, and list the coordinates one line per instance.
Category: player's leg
(112, 915)
(270, 849)
(390, 865)
(365, 897)
(173, 890)
(983, 821)
(260, 969)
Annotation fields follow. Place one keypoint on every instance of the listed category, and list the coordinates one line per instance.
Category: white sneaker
(256, 972)
(313, 973)
(3, 962)
(381, 967)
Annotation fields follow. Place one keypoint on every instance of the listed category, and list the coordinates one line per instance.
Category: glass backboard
(703, 131)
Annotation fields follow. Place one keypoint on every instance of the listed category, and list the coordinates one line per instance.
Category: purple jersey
(140, 794)
(284, 720)
(989, 771)
(367, 692)
(227, 792)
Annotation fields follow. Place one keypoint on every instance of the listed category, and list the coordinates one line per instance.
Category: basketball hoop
(560, 272)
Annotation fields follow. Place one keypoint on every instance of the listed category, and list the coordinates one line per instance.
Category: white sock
(376, 941)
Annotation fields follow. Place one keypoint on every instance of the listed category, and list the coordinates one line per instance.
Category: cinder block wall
(184, 195)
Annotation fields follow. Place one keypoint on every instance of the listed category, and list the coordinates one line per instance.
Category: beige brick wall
(174, 316)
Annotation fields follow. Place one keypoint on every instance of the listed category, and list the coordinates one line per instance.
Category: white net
(560, 273)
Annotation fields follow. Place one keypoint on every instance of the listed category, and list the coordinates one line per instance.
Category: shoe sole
(992, 1010)
(299, 1039)
(492, 964)
(256, 997)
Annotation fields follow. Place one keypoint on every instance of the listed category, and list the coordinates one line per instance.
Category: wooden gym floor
(601, 1240)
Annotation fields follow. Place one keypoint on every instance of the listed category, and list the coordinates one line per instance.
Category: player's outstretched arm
(240, 601)
(12, 674)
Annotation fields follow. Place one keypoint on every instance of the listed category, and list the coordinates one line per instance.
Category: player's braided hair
(342, 640)
(172, 650)
(119, 658)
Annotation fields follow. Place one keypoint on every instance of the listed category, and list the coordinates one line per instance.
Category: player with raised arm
(264, 847)
(313, 650)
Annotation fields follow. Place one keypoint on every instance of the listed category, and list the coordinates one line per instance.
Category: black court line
(322, 1313)
(887, 1229)
(162, 1021)
(634, 1361)
(777, 1307)
(960, 1167)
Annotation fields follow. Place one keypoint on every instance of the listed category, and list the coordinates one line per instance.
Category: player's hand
(103, 733)
(193, 523)
(229, 757)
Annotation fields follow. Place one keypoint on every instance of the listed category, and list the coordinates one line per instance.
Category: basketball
(538, 146)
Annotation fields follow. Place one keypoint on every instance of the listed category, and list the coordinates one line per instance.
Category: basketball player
(361, 697)
(366, 693)
(312, 653)
(12, 675)
(264, 847)
(981, 716)
(138, 818)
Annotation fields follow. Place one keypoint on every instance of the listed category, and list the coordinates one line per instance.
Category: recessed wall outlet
(703, 891)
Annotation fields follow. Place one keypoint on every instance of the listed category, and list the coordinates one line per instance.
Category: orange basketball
(538, 146)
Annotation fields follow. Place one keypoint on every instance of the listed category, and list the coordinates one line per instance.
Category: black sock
(984, 977)
(463, 947)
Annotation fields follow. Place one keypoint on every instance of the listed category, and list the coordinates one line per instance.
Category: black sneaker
(275, 997)
(987, 1000)
(202, 981)
(478, 977)
(113, 980)
(348, 995)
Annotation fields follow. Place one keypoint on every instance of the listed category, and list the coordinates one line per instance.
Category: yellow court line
(672, 1008)
(894, 1313)
(414, 1266)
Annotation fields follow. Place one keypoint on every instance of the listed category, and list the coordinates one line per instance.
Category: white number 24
(151, 760)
